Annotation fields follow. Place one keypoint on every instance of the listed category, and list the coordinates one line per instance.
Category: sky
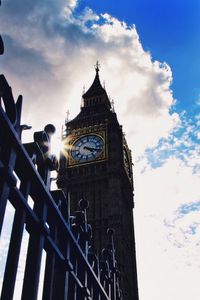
(149, 56)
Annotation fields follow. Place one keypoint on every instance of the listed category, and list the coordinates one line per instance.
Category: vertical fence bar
(14, 248)
(8, 159)
(50, 263)
(60, 290)
(56, 275)
(34, 255)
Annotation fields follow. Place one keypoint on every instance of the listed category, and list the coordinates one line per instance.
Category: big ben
(97, 165)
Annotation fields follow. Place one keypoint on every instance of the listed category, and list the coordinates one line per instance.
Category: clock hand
(91, 149)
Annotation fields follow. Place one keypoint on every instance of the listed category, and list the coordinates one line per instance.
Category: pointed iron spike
(19, 127)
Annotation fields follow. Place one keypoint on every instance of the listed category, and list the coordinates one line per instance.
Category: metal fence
(71, 271)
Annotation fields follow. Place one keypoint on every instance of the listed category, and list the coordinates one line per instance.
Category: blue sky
(170, 30)
(151, 68)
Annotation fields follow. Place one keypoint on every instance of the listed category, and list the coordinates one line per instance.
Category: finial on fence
(82, 230)
(40, 149)
(83, 204)
(110, 232)
(50, 129)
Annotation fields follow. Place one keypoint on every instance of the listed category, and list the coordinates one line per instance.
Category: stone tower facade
(97, 165)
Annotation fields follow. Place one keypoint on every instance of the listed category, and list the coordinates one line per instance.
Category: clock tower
(96, 165)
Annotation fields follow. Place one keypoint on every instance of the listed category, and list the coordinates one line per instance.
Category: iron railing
(71, 271)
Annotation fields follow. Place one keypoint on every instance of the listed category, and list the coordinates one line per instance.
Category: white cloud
(51, 55)
(170, 234)
(168, 186)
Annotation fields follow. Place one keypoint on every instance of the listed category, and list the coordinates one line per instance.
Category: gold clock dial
(87, 148)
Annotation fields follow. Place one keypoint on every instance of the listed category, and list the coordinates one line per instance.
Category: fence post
(14, 248)
(8, 155)
(36, 240)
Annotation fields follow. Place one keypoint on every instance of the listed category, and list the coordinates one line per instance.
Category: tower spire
(97, 67)
(96, 95)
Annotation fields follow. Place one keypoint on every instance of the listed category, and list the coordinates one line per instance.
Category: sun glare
(59, 146)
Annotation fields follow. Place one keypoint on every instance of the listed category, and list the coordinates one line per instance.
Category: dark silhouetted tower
(97, 165)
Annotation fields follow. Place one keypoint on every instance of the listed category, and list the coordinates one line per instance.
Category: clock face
(87, 148)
